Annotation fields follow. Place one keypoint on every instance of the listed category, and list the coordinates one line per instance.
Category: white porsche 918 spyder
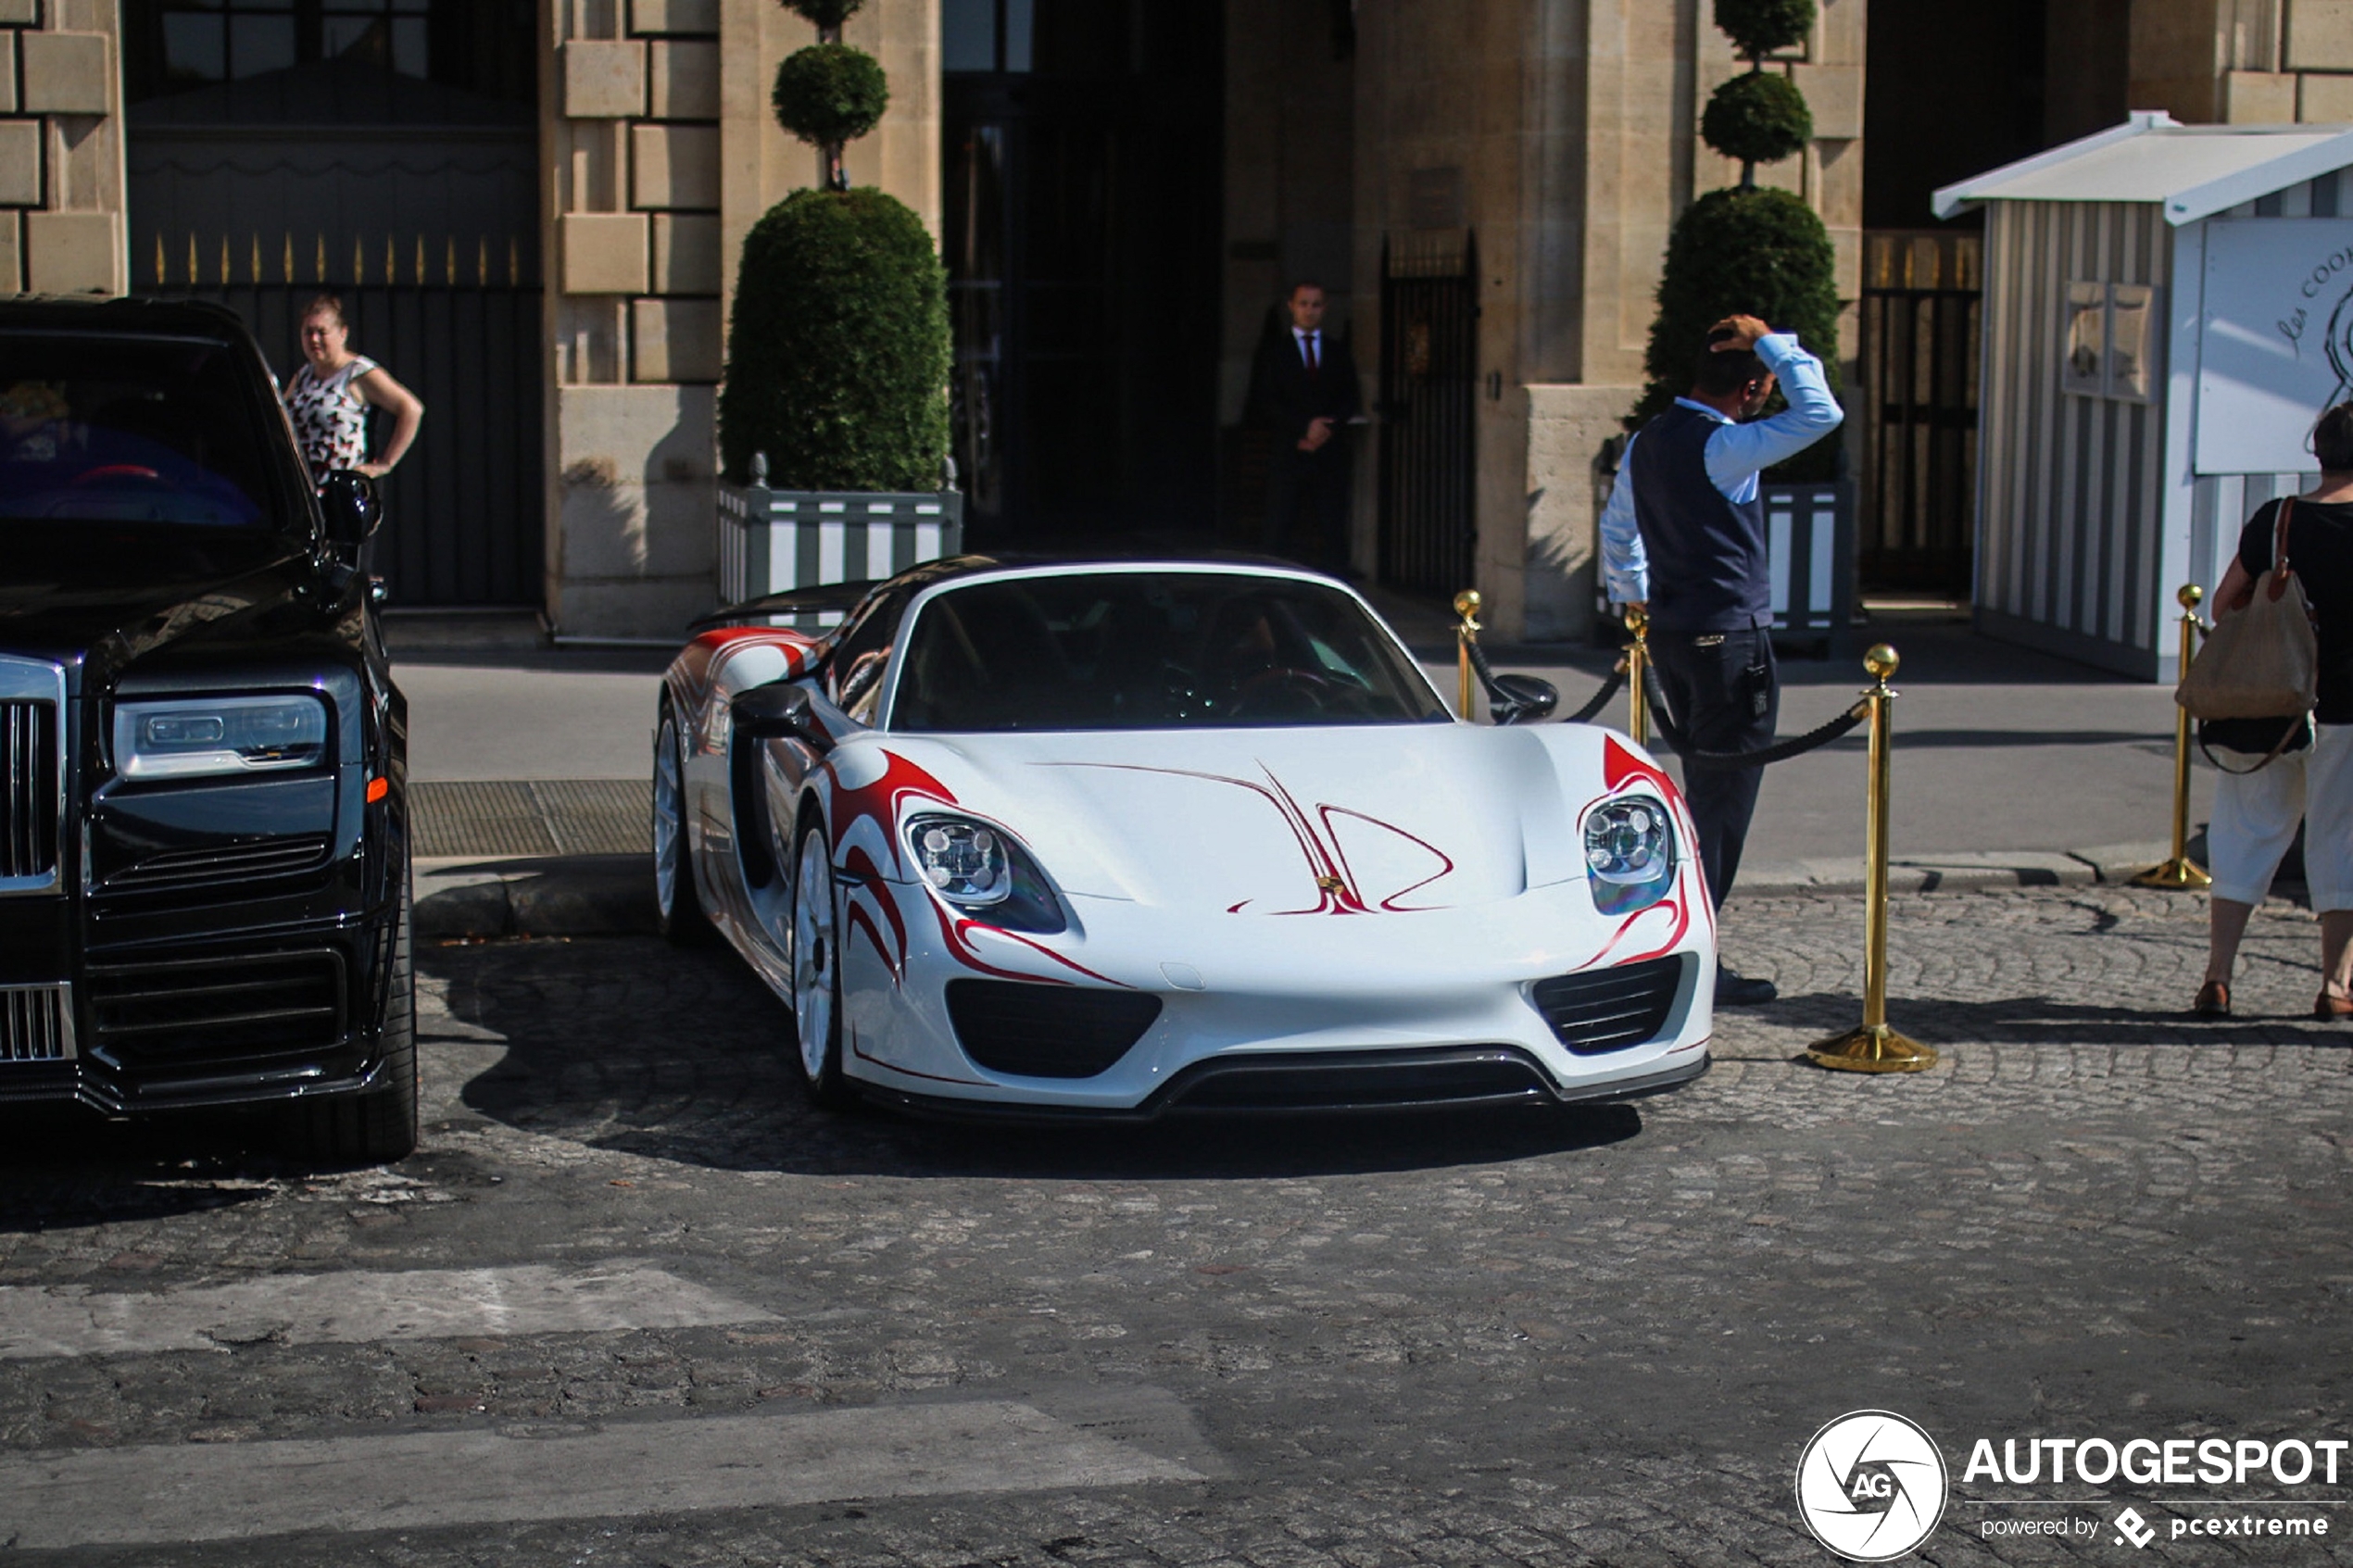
(1050, 839)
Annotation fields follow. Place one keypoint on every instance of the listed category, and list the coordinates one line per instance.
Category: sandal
(2214, 1000)
(2332, 1006)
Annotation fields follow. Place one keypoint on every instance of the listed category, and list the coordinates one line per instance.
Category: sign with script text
(2277, 340)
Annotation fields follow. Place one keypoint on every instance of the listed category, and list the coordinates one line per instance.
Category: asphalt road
(635, 1304)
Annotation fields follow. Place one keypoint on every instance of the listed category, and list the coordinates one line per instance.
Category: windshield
(1149, 651)
(104, 429)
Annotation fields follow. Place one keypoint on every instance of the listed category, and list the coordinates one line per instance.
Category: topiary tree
(1749, 251)
(837, 346)
(828, 94)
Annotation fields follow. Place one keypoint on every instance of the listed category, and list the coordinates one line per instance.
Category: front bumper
(1321, 1084)
(239, 1015)
(1239, 993)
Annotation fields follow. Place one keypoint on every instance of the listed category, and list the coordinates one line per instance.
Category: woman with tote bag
(2258, 800)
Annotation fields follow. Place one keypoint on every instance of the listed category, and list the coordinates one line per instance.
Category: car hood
(1387, 819)
(132, 589)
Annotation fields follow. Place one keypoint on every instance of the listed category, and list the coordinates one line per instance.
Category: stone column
(61, 228)
(661, 151)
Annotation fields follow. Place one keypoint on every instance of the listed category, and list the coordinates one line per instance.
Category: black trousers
(1307, 506)
(1726, 695)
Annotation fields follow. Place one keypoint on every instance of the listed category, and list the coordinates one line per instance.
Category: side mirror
(1521, 700)
(780, 711)
(352, 508)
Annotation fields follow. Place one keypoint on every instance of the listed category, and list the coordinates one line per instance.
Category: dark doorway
(1084, 171)
(1428, 391)
(385, 150)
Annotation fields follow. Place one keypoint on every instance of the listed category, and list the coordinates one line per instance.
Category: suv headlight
(190, 737)
(979, 870)
(1629, 854)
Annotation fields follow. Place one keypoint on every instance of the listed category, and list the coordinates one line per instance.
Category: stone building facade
(60, 149)
(1554, 139)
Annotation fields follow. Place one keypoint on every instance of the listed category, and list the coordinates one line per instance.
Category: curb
(477, 898)
(485, 899)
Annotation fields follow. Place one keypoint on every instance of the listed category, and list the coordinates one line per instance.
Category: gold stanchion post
(1466, 605)
(1638, 661)
(2178, 870)
(1875, 1047)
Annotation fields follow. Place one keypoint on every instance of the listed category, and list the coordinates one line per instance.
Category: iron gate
(1921, 325)
(1428, 385)
(460, 326)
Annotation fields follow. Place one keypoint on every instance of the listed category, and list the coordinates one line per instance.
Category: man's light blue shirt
(1736, 455)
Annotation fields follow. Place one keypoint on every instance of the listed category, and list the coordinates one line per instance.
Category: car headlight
(189, 737)
(977, 869)
(1629, 854)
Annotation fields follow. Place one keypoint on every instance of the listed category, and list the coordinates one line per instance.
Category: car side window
(854, 673)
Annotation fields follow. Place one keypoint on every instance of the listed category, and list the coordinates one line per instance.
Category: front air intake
(1608, 1009)
(220, 1007)
(1047, 1031)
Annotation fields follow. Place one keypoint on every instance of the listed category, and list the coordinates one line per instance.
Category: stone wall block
(604, 252)
(674, 165)
(11, 259)
(2325, 100)
(25, 12)
(686, 78)
(72, 253)
(2258, 97)
(673, 15)
(8, 73)
(604, 80)
(68, 72)
(2320, 35)
(674, 339)
(20, 162)
(1835, 93)
(687, 254)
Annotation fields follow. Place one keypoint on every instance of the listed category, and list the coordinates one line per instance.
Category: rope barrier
(1779, 751)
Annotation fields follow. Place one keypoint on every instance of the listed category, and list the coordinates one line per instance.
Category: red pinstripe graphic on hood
(1336, 884)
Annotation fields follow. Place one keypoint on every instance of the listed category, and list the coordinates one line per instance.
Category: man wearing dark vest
(1683, 536)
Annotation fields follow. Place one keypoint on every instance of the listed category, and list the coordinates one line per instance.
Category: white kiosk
(2166, 308)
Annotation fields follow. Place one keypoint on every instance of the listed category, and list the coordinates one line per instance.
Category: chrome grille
(32, 773)
(37, 1023)
(28, 791)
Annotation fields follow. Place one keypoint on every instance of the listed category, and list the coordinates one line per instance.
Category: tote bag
(2263, 662)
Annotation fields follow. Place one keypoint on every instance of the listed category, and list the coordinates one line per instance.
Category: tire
(678, 911)
(816, 973)
(379, 1126)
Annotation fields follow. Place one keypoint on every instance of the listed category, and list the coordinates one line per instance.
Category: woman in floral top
(329, 398)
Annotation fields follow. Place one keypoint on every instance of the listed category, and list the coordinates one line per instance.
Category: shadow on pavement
(684, 1056)
(66, 1169)
(2041, 1021)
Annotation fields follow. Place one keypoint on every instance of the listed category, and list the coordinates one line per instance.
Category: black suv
(204, 846)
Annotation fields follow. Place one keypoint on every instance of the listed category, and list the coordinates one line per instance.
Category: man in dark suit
(1304, 392)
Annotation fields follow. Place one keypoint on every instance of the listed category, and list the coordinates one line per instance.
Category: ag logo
(1870, 1485)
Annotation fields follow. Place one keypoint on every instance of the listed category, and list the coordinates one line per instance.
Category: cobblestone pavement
(1599, 1338)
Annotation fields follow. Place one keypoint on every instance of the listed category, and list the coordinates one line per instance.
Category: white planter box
(1809, 544)
(772, 540)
